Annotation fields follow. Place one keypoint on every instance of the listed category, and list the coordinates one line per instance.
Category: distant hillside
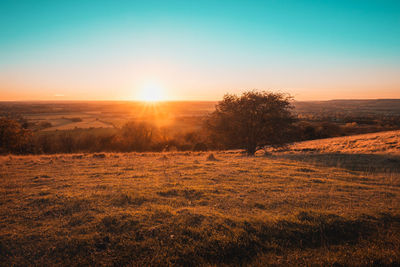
(383, 142)
(361, 107)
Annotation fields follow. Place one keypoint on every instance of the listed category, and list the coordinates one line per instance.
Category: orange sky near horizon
(130, 81)
(170, 91)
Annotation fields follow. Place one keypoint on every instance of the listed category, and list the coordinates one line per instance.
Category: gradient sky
(198, 50)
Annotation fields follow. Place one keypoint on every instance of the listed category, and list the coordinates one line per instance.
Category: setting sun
(151, 93)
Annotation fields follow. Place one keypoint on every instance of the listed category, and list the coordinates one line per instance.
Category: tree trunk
(251, 149)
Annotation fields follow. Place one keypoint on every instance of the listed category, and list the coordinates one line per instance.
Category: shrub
(13, 137)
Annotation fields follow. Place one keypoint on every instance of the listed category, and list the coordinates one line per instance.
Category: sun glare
(152, 93)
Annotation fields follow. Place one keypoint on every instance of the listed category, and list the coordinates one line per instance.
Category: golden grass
(190, 209)
(382, 142)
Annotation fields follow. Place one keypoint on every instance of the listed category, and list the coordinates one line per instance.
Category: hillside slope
(370, 153)
(189, 209)
(381, 142)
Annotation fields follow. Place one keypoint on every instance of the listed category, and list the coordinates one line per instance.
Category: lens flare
(151, 93)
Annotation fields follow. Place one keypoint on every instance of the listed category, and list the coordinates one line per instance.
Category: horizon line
(166, 101)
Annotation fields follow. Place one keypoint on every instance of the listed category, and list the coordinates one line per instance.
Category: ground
(306, 205)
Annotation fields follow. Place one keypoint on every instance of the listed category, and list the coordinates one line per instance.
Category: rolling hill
(381, 142)
(324, 202)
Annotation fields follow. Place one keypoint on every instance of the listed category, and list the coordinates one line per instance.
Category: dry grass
(184, 209)
(382, 142)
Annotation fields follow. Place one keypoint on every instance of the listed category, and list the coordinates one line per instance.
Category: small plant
(211, 157)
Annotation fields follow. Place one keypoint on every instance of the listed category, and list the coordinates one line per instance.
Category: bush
(135, 136)
(13, 137)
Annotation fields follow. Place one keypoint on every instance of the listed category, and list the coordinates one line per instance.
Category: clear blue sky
(199, 49)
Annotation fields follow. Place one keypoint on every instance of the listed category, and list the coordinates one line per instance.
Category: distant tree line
(252, 121)
(132, 136)
(14, 137)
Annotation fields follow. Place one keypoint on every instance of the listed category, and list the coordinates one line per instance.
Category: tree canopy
(252, 121)
(13, 137)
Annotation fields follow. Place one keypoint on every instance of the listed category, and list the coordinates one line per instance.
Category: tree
(13, 137)
(135, 136)
(252, 121)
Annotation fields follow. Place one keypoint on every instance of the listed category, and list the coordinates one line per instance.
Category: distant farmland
(104, 114)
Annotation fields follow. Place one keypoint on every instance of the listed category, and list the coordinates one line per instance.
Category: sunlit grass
(183, 208)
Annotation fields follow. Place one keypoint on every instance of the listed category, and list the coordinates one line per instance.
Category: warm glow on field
(151, 93)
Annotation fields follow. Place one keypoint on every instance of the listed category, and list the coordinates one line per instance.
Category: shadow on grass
(188, 239)
(354, 162)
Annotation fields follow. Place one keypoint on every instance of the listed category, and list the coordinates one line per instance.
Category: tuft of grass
(99, 156)
(211, 157)
(123, 199)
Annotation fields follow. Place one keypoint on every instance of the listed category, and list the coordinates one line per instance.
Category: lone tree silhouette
(254, 120)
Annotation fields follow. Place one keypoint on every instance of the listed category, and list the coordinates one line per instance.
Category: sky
(198, 50)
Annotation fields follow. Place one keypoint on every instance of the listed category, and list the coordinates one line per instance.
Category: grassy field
(308, 205)
(381, 143)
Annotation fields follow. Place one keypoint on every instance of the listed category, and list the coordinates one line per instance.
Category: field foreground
(189, 209)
